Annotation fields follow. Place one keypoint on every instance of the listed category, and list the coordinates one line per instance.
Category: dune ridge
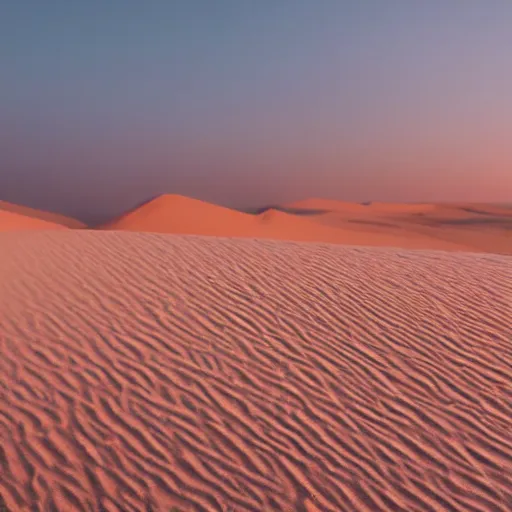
(173, 214)
(26, 212)
(468, 227)
(142, 371)
(11, 221)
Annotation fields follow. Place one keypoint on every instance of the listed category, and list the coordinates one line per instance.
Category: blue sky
(103, 104)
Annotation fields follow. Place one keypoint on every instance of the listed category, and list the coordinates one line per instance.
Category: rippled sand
(140, 372)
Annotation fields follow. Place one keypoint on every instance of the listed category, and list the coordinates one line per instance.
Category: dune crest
(448, 226)
(143, 371)
(54, 218)
(173, 214)
(10, 221)
(317, 203)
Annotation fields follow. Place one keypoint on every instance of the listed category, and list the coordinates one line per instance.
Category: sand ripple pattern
(143, 372)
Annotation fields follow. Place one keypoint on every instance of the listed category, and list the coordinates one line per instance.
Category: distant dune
(182, 215)
(10, 221)
(447, 226)
(472, 227)
(141, 372)
(374, 207)
(371, 206)
(314, 203)
(53, 218)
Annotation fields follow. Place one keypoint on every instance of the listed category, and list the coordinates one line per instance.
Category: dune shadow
(507, 210)
(3, 506)
(291, 211)
(497, 222)
(376, 223)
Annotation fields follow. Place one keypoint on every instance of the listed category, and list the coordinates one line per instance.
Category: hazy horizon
(105, 106)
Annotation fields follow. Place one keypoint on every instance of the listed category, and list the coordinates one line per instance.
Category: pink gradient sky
(248, 105)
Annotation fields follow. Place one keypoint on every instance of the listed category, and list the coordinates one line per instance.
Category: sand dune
(319, 204)
(49, 217)
(469, 227)
(348, 207)
(183, 215)
(448, 226)
(379, 208)
(10, 221)
(140, 372)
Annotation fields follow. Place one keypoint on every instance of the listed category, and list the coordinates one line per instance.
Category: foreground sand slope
(36, 215)
(140, 372)
(176, 214)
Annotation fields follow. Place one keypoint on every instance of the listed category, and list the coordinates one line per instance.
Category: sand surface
(11, 221)
(450, 227)
(23, 216)
(140, 372)
(470, 226)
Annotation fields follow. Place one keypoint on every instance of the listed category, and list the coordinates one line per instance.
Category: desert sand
(13, 216)
(410, 226)
(141, 372)
(470, 227)
(11, 221)
(449, 227)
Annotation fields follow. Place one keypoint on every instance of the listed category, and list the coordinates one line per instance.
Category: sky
(104, 104)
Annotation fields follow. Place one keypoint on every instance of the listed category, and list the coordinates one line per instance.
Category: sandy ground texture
(450, 227)
(141, 372)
